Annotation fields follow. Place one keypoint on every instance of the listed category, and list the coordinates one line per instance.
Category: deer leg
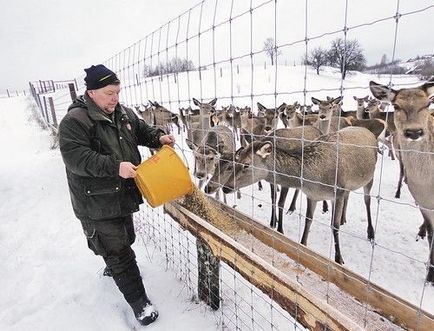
(282, 199)
(428, 217)
(259, 186)
(310, 209)
(273, 206)
(337, 209)
(422, 229)
(344, 212)
(293, 201)
(401, 177)
(367, 198)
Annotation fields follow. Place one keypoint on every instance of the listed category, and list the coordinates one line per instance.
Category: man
(98, 140)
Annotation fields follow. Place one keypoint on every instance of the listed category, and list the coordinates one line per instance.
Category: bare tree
(346, 55)
(317, 58)
(270, 49)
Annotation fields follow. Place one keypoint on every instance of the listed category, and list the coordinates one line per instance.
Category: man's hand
(127, 170)
(167, 139)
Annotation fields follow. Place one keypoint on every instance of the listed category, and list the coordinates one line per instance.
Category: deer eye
(246, 166)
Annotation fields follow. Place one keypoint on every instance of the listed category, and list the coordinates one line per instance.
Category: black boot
(144, 311)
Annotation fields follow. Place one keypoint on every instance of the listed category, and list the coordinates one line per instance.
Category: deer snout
(322, 117)
(413, 134)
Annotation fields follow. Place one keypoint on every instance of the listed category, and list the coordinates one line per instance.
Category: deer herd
(325, 154)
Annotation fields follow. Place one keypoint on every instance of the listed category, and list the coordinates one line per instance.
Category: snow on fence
(264, 279)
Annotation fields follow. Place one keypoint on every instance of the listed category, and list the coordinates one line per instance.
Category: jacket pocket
(102, 198)
(94, 242)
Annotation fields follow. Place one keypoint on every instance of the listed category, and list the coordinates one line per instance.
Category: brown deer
(329, 119)
(286, 139)
(163, 118)
(326, 175)
(360, 112)
(414, 123)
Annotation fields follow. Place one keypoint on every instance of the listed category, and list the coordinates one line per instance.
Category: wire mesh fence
(257, 59)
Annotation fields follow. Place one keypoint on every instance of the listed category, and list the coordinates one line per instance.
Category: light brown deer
(286, 139)
(329, 119)
(360, 112)
(163, 118)
(317, 162)
(414, 123)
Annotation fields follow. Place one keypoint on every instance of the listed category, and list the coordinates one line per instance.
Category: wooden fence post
(208, 287)
(46, 110)
(72, 91)
(53, 111)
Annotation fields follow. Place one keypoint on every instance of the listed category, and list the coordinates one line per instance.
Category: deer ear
(337, 100)
(265, 150)
(213, 102)
(191, 144)
(315, 101)
(281, 108)
(260, 106)
(382, 92)
(238, 153)
(196, 102)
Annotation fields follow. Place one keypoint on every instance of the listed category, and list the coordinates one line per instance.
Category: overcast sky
(56, 39)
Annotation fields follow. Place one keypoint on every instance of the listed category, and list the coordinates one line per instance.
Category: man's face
(106, 97)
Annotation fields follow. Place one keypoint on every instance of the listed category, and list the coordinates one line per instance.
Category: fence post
(52, 85)
(53, 111)
(7, 91)
(76, 85)
(38, 101)
(46, 110)
(208, 287)
(72, 91)
(221, 72)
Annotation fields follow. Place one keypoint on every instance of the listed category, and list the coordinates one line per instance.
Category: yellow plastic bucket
(163, 177)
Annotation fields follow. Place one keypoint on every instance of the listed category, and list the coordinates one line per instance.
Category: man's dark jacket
(92, 147)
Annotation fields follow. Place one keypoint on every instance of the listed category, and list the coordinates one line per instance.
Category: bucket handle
(183, 154)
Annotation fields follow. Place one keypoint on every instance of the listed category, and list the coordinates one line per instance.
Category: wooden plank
(308, 310)
(390, 306)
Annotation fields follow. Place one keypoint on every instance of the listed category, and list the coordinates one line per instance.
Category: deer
(374, 111)
(146, 114)
(329, 119)
(163, 118)
(360, 112)
(253, 127)
(219, 140)
(286, 139)
(355, 167)
(414, 122)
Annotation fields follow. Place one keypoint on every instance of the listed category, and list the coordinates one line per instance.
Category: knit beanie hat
(99, 76)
